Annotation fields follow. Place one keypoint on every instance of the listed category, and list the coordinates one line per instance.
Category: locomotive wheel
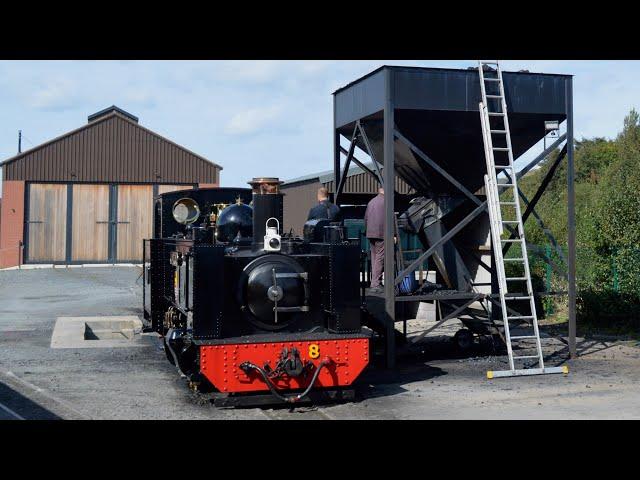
(199, 384)
(167, 352)
(463, 339)
(182, 356)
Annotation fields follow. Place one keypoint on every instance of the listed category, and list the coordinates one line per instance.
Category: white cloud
(57, 94)
(140, 97)
(315, 67)
(257, 71)
(252, 120)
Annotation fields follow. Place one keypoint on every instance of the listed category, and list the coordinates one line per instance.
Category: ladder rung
(511, 222)
(513, 259)
(495, 114)
(493, 96)
(517, 298)
(515, 279)
(498, 131)
(506, 184)
(525, 357)
(500, 149)
(520, 317)
(507, 203)
(523, 337)
(489, 62)
(503, 167)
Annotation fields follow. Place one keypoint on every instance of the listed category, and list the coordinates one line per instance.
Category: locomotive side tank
(255, 312)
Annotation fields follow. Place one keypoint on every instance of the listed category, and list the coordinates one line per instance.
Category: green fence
(608, 282)
(616, 270)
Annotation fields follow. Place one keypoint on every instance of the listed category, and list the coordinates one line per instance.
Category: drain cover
(97, 332)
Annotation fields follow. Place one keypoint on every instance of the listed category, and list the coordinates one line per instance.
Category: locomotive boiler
(250, 312)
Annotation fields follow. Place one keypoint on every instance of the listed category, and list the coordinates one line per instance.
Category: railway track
(23, 400)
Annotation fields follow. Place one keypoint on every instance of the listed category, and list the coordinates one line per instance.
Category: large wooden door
(90, 223)
(172, 188)
(47, 220)
(135, 220)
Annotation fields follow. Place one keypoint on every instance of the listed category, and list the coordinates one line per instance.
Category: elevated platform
(407, 305)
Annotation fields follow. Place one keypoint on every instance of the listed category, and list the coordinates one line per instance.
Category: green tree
(617, 215)
(607, 186)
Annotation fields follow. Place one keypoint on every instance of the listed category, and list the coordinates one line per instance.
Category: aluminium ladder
(494, 106)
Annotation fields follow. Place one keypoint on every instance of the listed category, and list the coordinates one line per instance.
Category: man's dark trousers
(377, 261)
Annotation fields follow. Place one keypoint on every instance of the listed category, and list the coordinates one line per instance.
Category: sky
(255, 118)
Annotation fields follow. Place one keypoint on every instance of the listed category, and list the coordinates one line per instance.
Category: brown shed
(300, 193)
(86, 196)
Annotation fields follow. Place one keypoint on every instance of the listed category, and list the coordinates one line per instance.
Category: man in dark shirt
(324, 208)
(374, 225)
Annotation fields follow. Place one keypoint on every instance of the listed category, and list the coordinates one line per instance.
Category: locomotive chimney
(267, 203)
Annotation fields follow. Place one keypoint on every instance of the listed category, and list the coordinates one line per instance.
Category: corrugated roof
(326, 176)
(306, 178)
(93, 124)
(358, 181)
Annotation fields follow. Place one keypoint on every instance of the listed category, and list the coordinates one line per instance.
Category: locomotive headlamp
(551, 125)
(551, 128)
(186, 211)
(272, 238)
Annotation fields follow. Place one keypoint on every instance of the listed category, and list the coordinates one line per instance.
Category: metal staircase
(495, 126)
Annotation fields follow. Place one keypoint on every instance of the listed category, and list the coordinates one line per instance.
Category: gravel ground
(435, 381)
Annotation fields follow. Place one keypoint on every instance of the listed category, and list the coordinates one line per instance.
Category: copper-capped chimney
(267, 203)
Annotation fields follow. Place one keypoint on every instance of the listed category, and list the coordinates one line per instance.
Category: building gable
(111, 149)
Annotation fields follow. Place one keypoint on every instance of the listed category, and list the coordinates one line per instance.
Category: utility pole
(19, 141)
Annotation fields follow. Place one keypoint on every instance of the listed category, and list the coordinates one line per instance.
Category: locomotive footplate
(286, 365)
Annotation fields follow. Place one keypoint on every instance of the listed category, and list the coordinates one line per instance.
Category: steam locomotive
(250, 312)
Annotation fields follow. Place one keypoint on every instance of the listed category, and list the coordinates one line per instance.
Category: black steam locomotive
(247, 310)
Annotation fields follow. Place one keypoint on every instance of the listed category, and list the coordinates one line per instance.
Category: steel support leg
(389, 209)
(571, 214)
